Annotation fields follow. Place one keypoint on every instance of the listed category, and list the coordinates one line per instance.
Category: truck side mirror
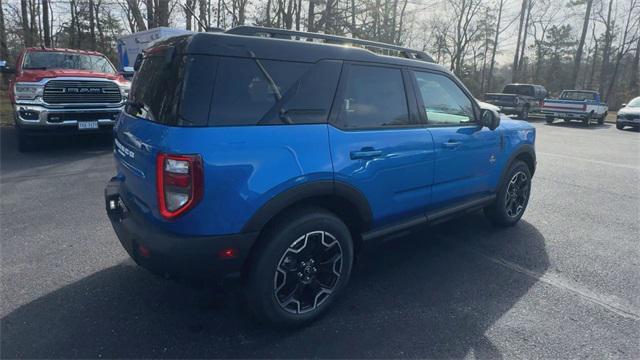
(490, 119)
(623, 105)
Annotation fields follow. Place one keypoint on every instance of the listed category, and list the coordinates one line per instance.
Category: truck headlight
(27, 91)
(124, 90)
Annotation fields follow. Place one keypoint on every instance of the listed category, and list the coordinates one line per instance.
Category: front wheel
(602, 118)
(513, 196)
(619, 126)
(549, 119)
(300, 267)
(524, 115)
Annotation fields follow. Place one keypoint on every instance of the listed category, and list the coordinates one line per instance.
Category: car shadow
(579, 125)
(49, 150)
(430, 294)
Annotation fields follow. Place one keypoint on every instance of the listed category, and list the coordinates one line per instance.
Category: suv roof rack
(330, 39)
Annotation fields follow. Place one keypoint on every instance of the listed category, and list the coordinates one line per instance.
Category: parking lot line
(609, 302)
(626, 166)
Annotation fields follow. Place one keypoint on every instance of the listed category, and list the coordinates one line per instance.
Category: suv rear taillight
(179, 181)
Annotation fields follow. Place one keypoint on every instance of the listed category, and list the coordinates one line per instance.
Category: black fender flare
(527, 149)
(309, 190)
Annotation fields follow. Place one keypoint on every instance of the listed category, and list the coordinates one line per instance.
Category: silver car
(629, 115)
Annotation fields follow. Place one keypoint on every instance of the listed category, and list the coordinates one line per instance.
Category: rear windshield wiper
(266, 74)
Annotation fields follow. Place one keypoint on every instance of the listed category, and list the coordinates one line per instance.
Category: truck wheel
(619, 126)
(513, 196)
(300, 266)
(549, 119)
(586, 121)
(24, 141)
(601, 119)
(524, 115)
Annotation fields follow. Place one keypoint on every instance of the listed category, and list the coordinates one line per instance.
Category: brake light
(179, 183)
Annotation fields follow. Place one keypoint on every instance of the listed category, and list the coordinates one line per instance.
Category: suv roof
(230, 44)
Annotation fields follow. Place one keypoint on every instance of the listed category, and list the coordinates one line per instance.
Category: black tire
(524, 114)
(502, 212)
(549, 119)
(586, 122)
(24, 141)
(601, 119)
(619, 126)
(299, 299)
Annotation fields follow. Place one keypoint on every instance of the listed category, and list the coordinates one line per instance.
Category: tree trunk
(151, 21)
(98, 23)
(583, 36)
(202, 8)
(495, 46)
(524, 40)
(606, 50)
(514, 74)
(26, 29)
(4, 50)
(634, 84)
(310, 16)
(45, 23)
(161, 17)
(92, 26)
(298, 15)
(137, 16)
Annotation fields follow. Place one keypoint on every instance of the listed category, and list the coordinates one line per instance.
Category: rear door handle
(365, 153)
(451, 144)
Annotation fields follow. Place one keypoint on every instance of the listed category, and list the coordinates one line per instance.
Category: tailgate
(501, 99)
(135, 151)
(564, 105)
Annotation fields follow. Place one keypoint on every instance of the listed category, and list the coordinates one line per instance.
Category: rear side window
(173, 91)
(373, 97)
(247, 89)
(578, 95)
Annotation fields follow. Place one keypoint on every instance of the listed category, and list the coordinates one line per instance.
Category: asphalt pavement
(563, 283)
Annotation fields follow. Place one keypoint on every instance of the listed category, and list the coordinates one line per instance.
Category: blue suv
(252, 154)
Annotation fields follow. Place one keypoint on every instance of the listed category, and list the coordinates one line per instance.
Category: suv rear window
(173, 92)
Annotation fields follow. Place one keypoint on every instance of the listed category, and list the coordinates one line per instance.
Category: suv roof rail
(330, 39)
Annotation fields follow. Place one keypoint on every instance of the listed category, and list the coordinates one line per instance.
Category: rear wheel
(300, 267)
(524, 115)
(619, 126)
(513, 196)
(549, 119)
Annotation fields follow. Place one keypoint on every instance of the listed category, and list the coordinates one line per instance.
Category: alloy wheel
(308, 272)
(517, 194)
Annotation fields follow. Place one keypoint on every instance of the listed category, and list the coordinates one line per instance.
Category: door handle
(451, 144)
(365, 153)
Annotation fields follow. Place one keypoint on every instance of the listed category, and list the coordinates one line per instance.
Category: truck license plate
(87, 125)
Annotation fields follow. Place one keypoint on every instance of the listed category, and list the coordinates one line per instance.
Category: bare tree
(583, 36)
(523, 11)
(45, 23)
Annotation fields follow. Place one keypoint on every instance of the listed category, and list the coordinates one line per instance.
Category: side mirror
(623, 105)
(490, 119)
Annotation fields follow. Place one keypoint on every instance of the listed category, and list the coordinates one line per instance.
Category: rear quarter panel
(244, 167)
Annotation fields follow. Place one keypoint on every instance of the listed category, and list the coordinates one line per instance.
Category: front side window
(444, 102)
(43, 60)
(374, 97)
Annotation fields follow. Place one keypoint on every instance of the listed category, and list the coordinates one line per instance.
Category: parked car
(276, 160)
(64, 91)
(518, 99)
(629, 115)
(583, 105)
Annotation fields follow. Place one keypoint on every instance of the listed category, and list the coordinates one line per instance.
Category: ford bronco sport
(274, 160)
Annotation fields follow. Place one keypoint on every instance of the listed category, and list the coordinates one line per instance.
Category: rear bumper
(509, 110)
(173, 255)
(41, 119)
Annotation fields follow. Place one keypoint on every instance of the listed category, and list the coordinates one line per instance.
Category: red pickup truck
(64, 91)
